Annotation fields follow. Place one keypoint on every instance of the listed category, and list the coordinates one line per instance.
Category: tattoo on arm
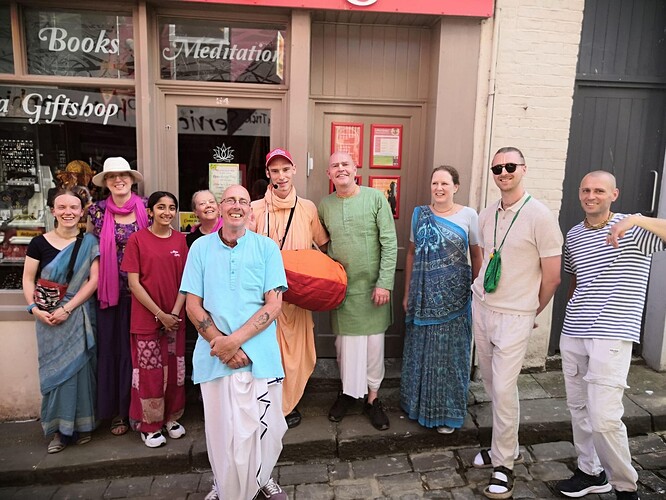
(261, 321)
(204, 324)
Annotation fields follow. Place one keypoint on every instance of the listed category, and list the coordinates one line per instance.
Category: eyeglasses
(121, 175)
(232, 201)
(509, 167)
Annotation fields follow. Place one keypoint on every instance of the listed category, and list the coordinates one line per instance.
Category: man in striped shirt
(609, 257)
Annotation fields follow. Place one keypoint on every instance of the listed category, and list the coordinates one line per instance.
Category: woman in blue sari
(437, 302)
(65, 334)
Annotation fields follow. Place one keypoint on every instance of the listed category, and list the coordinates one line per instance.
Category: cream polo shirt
(534, 235)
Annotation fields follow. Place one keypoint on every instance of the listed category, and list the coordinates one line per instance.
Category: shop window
(221, 51)
(6, 50)
(53, 137)
(79, 43)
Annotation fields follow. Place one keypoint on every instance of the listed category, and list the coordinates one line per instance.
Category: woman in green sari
(65, 334)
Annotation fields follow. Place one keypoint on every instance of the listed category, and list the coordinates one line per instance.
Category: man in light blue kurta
(234, 280)
(360, 223)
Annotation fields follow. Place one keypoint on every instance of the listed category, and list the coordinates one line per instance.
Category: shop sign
(474, 8)
(45, 106)
(41, 106)
(198, 50)
(77, 43)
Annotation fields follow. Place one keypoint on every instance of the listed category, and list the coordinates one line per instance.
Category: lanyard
(495, 248)
(286, 230)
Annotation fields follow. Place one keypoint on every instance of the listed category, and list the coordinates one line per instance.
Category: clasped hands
(228, 350)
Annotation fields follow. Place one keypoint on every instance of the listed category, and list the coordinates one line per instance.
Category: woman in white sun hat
(114, 219)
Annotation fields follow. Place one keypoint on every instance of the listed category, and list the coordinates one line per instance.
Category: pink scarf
(217, 227)
(108, 289)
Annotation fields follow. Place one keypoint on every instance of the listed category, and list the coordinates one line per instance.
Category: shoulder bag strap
(72, 259)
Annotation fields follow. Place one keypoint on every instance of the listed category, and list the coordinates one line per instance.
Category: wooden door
(410, 119)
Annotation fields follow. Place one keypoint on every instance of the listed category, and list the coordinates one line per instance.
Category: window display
(52, 137)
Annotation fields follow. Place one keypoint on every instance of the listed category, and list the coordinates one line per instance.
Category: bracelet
(174, 315)
(157, 315)
(31, 307)
(68, 312)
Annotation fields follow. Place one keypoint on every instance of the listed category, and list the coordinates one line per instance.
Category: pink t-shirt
(160, 263)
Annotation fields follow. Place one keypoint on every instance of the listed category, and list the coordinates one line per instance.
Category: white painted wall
(532, 70)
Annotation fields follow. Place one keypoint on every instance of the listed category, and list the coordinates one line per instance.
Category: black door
(619, 113)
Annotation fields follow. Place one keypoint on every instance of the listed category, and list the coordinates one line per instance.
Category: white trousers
(501, 343)
(244, 429)
(361, 363)
(595, 377)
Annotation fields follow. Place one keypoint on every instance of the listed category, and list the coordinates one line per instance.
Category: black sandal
(503, 478)
(487, 461)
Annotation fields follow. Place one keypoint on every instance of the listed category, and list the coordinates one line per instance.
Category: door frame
(165, 172)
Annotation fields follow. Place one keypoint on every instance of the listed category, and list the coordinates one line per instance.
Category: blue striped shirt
(611, 283)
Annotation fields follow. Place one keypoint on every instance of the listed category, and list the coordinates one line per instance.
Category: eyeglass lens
(509, 167)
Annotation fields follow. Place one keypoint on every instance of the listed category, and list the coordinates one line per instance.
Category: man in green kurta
(360, 223)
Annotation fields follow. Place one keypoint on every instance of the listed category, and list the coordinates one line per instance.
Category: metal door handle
(654, 190)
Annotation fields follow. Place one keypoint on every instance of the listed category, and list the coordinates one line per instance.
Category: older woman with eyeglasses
(114, 220)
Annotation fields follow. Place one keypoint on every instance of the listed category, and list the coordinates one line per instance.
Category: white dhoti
(244, 429)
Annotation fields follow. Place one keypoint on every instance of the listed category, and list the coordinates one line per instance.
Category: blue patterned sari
(67, 352)
(436, 356)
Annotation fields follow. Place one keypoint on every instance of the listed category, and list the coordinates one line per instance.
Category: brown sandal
(119, 426)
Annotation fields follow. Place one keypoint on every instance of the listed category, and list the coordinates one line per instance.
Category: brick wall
(535, 73)
(537, 53)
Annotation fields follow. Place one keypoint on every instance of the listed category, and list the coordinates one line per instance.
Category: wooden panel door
(410, 174)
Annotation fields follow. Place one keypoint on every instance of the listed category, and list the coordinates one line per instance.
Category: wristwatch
(31, 307)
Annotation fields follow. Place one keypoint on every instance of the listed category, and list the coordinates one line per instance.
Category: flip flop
(56, 445)
(119, 426)
(84, 437)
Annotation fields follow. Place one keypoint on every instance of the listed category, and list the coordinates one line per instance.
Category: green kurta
(363, 240)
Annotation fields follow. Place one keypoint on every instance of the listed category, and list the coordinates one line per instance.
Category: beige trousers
(595, 376)
(501, 342)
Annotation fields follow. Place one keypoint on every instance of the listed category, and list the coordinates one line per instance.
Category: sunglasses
(509, 167)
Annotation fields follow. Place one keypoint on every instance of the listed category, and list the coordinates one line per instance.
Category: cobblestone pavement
(441, 473)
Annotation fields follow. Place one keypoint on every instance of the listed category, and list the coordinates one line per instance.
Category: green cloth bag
(493, 272)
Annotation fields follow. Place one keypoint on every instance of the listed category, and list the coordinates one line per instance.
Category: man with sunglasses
(609, 257)
(522, 247)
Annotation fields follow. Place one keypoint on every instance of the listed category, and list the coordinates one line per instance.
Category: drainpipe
(491, 108)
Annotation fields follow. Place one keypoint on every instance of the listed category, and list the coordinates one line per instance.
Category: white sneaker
(175, 430)
(153, 439)
(445, 430)
(212, 494)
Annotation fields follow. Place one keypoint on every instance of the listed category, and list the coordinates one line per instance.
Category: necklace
(434, 209)
(230, 244)
(600, 224)
(67, 237)
(160, 235)
(353, 193)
